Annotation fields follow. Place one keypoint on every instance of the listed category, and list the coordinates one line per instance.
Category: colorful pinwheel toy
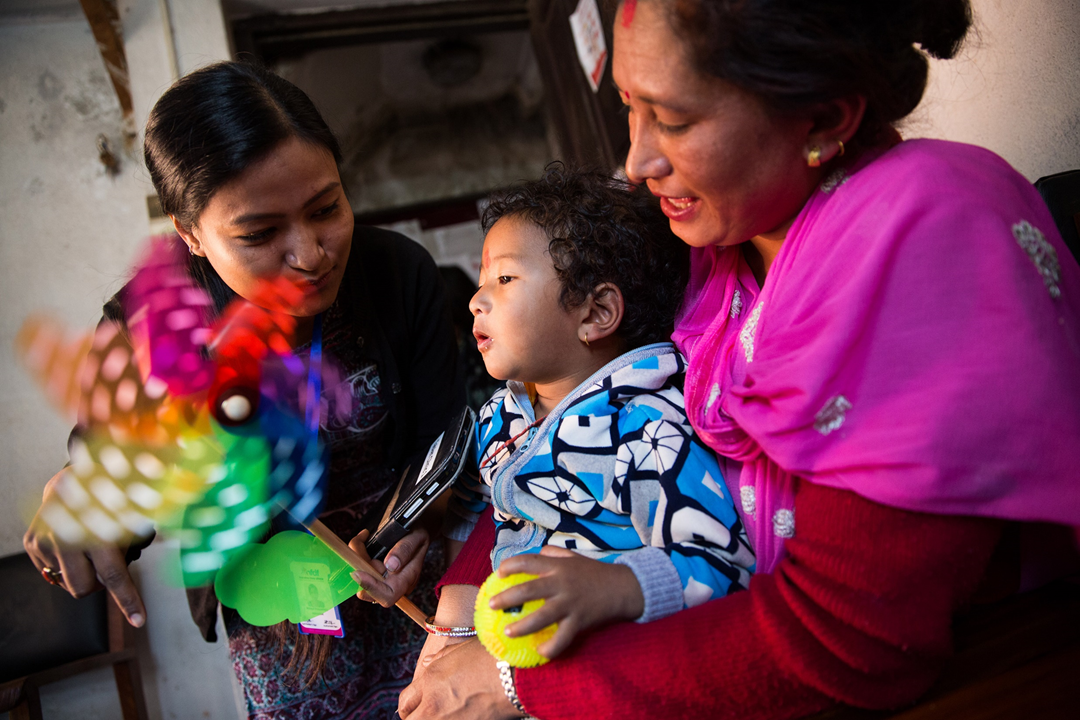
(203, 428)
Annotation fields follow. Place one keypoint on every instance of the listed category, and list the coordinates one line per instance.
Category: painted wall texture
(1014, 88)
(68, 232)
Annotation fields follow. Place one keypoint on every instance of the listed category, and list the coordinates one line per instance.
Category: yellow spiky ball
(490, 624)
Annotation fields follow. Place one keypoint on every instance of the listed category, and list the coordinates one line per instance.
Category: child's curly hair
(602, 229)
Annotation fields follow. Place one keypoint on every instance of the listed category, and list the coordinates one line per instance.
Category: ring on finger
(53, 577)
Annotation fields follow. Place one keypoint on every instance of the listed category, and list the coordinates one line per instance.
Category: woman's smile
(726, 167)
(323, 280)
(679, 209)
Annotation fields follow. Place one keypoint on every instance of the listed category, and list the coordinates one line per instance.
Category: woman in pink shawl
(883, 340)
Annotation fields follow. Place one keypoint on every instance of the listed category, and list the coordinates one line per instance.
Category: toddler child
(587, 455)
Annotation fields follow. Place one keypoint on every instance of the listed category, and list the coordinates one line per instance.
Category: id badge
(329, 623)
(313, 594)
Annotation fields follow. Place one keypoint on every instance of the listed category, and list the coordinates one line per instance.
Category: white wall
(68, 232)
(1014, 88)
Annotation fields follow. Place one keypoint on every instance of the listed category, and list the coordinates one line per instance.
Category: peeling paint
(49, 86)
(83, 105)
(93, 98)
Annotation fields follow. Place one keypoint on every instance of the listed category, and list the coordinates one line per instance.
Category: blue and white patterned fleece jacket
(614, 473)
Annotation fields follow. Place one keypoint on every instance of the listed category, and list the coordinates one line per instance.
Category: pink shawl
(916, 341)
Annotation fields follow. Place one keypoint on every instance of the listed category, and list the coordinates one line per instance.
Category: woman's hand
(84, 570)
(433, 648)
(578, 592)
(456, 603)
(400, 571)
(460, 683)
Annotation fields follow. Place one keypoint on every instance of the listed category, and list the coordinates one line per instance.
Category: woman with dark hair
(882, 343)
(247, 169)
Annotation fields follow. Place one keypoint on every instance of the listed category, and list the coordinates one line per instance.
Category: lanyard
(314, 382)
(495, 453)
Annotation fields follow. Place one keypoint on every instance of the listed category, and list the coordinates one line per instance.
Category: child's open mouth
(483, 342)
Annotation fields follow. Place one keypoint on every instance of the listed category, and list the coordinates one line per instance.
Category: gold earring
(814, 158)
(841, 144)
(586, 340)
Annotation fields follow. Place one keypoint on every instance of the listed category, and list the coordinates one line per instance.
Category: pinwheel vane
(203, 427)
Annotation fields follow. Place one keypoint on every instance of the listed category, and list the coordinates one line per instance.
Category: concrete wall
(1014, 88)
(68, 232)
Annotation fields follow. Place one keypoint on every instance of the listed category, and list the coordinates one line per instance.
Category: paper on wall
(588, 31)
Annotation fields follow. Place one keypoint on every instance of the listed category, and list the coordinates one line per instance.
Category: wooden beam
(104, 19)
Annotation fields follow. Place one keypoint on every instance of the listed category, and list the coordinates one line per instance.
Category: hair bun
(940, 25)
(796, 53)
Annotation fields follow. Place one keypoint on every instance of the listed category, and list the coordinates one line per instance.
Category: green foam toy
(293, 576)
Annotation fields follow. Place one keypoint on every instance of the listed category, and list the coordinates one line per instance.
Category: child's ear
(605, 313)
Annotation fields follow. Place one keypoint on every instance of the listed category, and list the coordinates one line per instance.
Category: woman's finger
(373, 589)
(112, 570)
(41, 544)
(359, 546)
(413, 545)
(395, 585)
(79, 576)
(461, 683)
(409, 699)
(40, 548)
(406, 577)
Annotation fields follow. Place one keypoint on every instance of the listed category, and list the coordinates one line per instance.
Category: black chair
(1061, 192)
(47, 635)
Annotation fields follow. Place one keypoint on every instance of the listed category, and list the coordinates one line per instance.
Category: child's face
(519, 326)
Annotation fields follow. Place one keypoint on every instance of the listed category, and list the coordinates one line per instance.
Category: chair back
(43, 626)
(1061, 192)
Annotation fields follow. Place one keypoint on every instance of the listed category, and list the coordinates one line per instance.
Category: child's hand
(401, 570)
(579, 593)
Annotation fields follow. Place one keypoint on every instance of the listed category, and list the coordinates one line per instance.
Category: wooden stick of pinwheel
(347, 554)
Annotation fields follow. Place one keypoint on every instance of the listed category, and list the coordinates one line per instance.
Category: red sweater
(860, 612)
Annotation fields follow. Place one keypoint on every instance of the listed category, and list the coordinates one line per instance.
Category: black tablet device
(420, 485)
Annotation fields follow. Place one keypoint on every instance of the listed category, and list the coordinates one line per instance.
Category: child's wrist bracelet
(448, 631)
